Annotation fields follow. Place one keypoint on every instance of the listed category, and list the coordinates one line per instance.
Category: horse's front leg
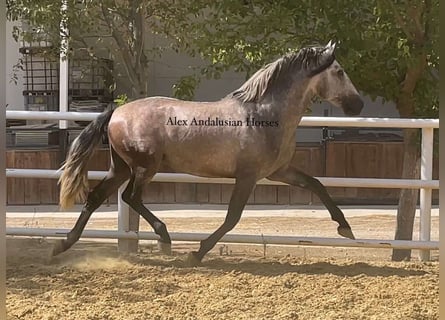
(297, 178)
(240, 195)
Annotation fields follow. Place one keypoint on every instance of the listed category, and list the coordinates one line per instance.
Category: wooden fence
(334, 159)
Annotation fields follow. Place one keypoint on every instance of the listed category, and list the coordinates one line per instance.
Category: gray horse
(248, 135)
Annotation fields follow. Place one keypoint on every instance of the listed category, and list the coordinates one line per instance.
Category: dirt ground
(93, 281)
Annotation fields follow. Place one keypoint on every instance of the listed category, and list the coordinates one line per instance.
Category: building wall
(14, 92)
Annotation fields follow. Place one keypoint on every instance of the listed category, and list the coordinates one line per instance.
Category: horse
(248, 135)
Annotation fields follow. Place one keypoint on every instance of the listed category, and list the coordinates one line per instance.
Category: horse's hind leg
(132, 195)
(95, 198)
(295, 177)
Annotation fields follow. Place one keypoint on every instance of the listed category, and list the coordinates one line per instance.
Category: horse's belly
(223, 162)
(214, 152)
(206, 163)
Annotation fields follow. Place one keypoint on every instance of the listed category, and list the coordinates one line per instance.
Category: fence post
(426, 173)
(128, 220)
(63, 81)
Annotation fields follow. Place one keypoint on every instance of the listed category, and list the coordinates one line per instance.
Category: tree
(118, 26)
(389, 48)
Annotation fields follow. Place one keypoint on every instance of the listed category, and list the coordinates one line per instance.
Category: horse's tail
(74, 181)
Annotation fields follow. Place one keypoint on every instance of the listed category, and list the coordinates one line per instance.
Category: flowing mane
(311, 60)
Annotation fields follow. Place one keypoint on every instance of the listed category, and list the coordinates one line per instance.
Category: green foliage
(185, 88)
(121, 100)
(379, 41)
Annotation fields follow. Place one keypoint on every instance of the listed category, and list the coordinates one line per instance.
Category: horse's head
(333, 85)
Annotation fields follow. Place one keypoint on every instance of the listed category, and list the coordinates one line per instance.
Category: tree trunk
(129, 35)
(408, 197)
(140, 87)
(411, 159)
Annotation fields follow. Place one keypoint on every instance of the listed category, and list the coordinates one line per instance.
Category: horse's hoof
(193, 260)
(58, 247)
(345, 232)
(165, 248)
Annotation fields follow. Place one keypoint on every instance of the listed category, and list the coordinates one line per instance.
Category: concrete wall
(14, 95)
(167, 70)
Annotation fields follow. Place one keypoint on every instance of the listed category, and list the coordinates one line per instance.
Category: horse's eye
(340, 73)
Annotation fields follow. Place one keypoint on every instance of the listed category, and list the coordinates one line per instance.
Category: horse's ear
(330, 47)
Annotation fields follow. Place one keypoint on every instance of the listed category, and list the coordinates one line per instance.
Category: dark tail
(74, 181)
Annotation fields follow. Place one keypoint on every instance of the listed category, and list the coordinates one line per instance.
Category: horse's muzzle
(352, 105)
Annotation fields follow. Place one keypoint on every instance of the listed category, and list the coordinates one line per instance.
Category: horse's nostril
(352, 105)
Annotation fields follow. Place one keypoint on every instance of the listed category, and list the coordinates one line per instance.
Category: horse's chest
(276, 154)
(281, 146)
(280, 158)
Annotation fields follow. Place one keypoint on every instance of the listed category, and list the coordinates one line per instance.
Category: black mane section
(311, 60)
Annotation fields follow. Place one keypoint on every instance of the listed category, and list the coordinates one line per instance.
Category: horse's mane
(312, 60)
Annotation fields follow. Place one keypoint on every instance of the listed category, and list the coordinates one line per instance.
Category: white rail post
(63, 80)
(128, 220)
(426, 173)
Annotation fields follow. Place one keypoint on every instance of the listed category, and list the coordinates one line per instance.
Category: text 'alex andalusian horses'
(248, 135)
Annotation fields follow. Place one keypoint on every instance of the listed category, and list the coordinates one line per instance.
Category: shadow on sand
(31, 253)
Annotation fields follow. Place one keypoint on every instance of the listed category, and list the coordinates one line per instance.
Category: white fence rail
(306, 121)
(425, 184)
(181, 177)
(235, 238)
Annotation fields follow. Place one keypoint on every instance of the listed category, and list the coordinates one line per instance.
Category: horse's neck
(293, 103)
